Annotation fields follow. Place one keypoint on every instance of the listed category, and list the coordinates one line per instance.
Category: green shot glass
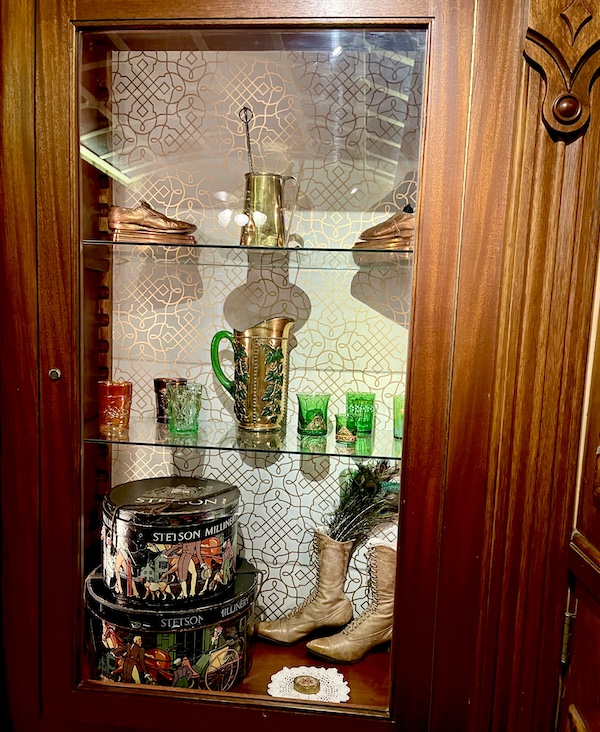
(361, 406)
(312, 413)
(183, 406)
(345, 429)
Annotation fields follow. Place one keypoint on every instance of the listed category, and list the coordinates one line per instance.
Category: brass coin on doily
(307, 685)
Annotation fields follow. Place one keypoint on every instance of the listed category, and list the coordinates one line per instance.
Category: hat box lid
(170, 499)
(101, 602)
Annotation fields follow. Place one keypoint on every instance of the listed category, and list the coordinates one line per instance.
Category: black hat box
(169, 541)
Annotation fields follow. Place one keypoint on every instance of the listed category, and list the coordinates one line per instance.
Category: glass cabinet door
(248, 200)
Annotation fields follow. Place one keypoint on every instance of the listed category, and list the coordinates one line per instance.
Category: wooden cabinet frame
(508, 239)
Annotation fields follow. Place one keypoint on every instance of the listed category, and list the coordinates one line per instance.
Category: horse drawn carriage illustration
(215, 670)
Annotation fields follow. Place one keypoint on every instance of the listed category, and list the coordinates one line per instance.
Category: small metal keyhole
(55, 374)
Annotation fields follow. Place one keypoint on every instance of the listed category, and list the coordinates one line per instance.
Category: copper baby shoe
(401, 224)
(143, 218)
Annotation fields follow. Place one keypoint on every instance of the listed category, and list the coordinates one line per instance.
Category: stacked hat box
(172, 603)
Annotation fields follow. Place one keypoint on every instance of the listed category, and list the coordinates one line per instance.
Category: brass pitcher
(264, 206)
(260, 383)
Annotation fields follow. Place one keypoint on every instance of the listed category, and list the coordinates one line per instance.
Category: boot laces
(315, 589)
(372, 594)
(299, 608)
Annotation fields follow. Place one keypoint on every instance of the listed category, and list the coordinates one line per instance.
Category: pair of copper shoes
(397, 232)
(143, 223)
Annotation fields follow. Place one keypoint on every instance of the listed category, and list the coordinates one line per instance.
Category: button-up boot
(374, 625)
(327, 606)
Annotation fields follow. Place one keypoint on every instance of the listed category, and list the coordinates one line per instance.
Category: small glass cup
(160, 390)
(361, 406)
(398, 415)
(312, 413)
(114, 398)
(345, 429)
(183, 406)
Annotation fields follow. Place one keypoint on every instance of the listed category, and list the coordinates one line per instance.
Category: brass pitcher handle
(284, 180)
(214, 358)
(292, 207)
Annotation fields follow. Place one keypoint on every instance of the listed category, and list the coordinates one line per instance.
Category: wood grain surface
(507, 244)
(548, 280)
(19, 424)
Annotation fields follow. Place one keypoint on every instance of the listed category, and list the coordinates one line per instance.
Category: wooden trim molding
(563, 43)
(586, 547)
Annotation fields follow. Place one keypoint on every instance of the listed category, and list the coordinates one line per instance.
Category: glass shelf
(229, 255)
(216, 435)
(237, 247)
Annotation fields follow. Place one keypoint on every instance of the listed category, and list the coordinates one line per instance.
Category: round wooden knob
(567, 108)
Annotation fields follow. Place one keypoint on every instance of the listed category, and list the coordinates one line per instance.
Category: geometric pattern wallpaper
(283, 499)
(346, 124)
(167, 305)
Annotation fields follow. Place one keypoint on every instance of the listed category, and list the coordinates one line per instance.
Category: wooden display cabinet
(490, 334)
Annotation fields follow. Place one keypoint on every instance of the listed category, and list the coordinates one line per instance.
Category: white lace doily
(334, 688)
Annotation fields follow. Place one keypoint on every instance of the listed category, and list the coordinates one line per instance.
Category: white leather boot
(327, 606)
(374, 625)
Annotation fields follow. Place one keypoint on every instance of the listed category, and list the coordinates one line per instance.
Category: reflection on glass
(340, 111)
(341, 114)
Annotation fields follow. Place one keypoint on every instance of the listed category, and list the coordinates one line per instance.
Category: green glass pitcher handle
(214, 358)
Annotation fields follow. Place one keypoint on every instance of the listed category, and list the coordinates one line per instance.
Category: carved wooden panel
(546, 298)
(563, 42)
(549, 273)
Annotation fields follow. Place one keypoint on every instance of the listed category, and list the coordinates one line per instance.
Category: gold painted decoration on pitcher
(261, 366)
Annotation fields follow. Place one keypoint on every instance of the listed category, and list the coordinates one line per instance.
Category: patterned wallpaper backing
(348, 129)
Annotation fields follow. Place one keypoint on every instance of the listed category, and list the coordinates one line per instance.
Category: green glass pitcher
(260, 383)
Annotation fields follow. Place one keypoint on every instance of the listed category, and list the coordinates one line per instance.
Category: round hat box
(169, 540)
(209, 646)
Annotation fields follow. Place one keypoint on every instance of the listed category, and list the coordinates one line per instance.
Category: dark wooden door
(454, 322)
(452, 527)
(580, 686)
